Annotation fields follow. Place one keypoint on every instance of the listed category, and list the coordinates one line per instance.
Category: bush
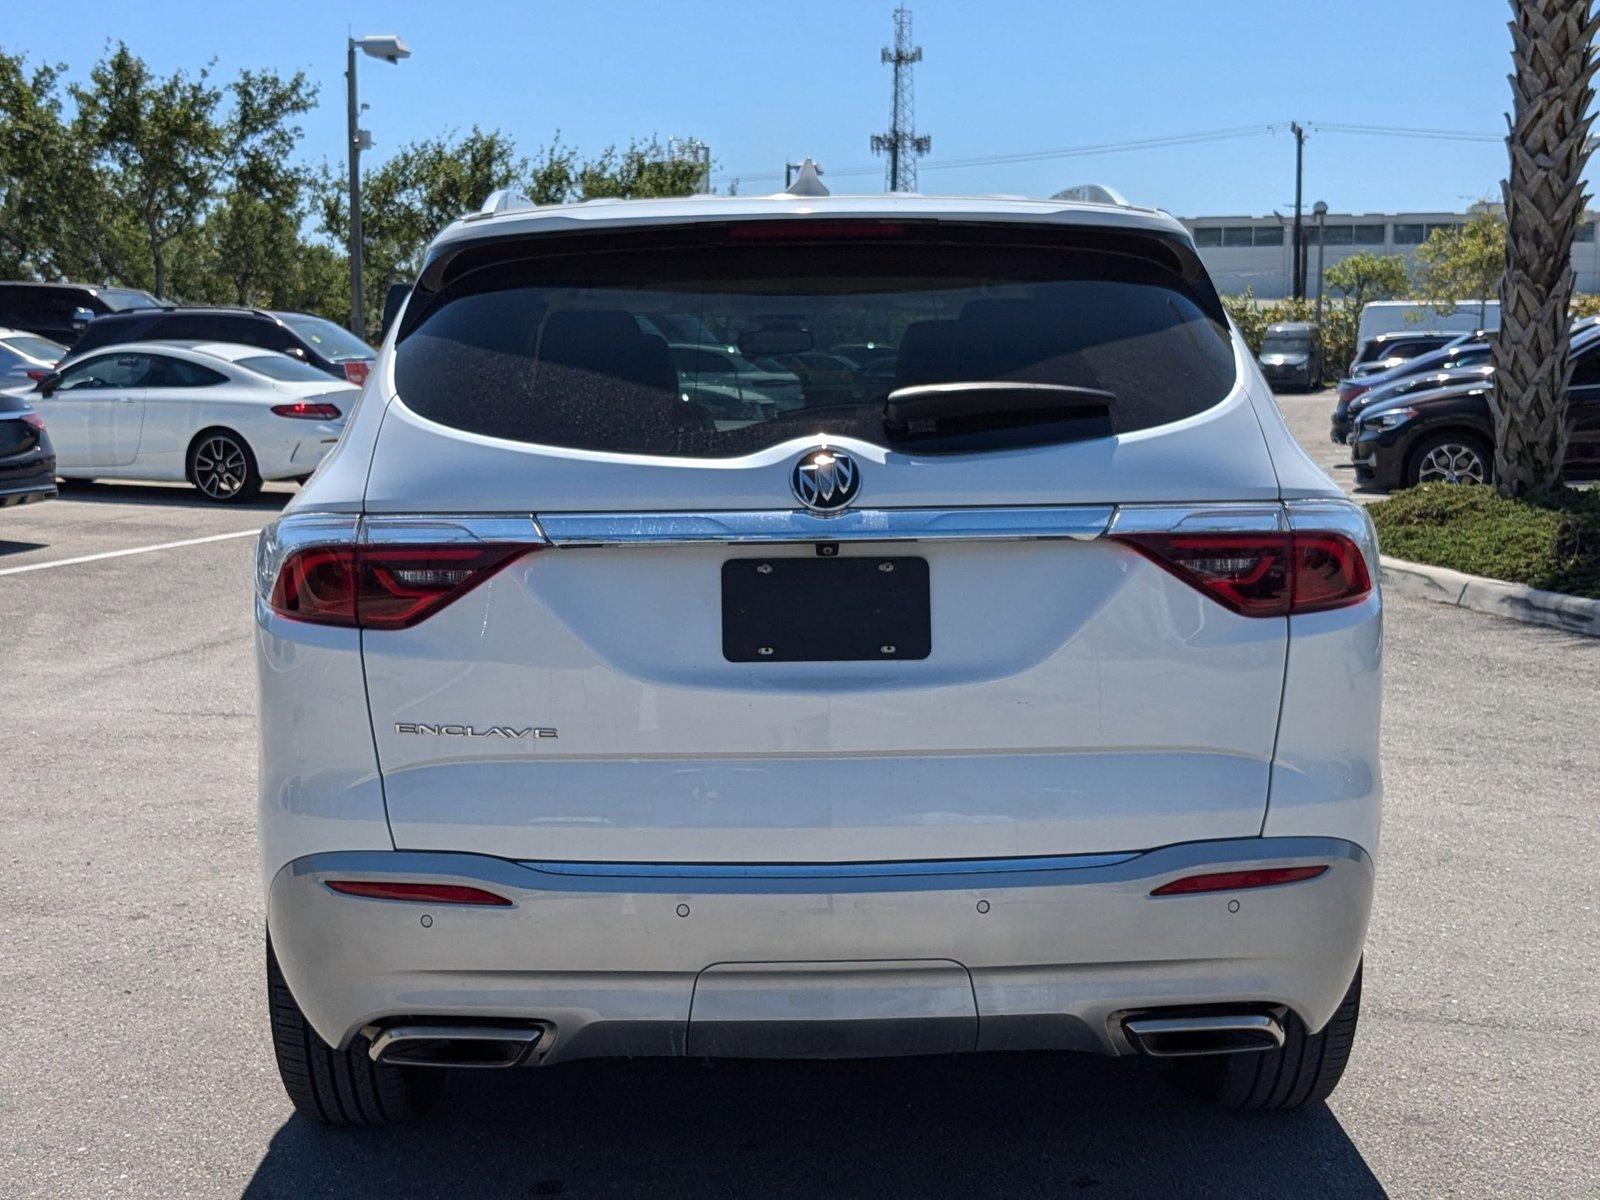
(1550, 542)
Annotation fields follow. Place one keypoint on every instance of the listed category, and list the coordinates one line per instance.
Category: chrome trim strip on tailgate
(845, 870)
(1080, 523)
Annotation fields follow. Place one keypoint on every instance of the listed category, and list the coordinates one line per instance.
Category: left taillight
(33, 421)
(382, 586)
(1263, 574)
(357, 371)
(307, 411)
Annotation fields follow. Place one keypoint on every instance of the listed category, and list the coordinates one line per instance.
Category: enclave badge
(473, 731)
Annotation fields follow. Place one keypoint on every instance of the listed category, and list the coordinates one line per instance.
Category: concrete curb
(1570, 614)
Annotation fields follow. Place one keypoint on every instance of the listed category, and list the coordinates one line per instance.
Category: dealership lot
(138, 1061)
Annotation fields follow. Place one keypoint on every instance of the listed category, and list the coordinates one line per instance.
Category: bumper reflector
(1233, 881)
(431, 893)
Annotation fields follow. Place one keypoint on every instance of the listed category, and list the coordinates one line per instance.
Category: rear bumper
(821, 960)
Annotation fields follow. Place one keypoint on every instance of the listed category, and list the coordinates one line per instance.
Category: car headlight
(1392, 419)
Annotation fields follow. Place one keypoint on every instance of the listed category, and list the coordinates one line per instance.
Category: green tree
(1552, 92)
(1463, 261)
(1357, 281)
(1365, 277)
(156, 154)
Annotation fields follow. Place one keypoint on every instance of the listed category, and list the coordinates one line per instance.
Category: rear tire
(222, 467)
(1303, 1071)
(340, 1087)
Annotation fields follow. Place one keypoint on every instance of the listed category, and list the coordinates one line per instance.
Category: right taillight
(382, 587)
(1263, 574)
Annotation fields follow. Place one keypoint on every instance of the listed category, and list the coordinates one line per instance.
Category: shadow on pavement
(991, 1125)
(176, 494)
(19, 547)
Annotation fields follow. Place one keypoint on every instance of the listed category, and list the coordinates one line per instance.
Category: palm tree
(1552, 89)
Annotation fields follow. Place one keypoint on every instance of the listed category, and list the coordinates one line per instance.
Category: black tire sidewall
(252, 475)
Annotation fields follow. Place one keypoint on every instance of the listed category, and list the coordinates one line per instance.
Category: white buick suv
(1017, 692)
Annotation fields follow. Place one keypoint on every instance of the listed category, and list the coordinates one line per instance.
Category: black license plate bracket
(826, 609)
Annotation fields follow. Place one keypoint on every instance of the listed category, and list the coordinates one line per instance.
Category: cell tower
(902, 145)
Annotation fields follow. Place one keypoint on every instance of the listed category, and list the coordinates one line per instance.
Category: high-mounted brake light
(806, 227)
(431, 893)
(1234, 881)
(382, 587)
(1262, 574)
(306, 411)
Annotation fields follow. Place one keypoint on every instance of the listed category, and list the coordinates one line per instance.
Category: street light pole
(353, 146)
(391, 49)
(1320, 211)
(1299, 271)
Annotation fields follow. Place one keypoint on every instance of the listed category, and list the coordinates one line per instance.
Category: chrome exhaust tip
(456, 1045)
(1180, 1035)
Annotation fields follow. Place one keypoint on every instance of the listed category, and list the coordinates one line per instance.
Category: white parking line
(84, 558)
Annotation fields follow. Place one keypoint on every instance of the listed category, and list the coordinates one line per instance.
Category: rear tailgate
(584, 703)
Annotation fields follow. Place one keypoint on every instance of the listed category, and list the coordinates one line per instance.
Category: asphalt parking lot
(136, 1061)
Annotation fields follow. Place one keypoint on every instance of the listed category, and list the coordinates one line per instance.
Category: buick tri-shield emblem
(825, 480)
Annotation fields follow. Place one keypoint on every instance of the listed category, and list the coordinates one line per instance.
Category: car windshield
(1285, 343)
(281, 366)
(37, 347)
(333, 342)
(559, 346)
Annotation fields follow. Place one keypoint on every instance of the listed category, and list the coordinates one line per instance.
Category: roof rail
(1092, 193)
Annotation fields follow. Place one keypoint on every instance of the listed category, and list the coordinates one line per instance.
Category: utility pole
(901, 143)
(1299, 234)
(353, 149)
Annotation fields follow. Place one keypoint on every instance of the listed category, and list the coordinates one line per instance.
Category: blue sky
(763, 81)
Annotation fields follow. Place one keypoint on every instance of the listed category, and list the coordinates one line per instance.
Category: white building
(1255, 252)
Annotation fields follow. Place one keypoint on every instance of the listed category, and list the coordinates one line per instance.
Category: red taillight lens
(307, 412)
(1329, 572)
(1262, 574)
(382, 587)
(38, 373)
(356, 372)
(1349, 391)
(33, 421)
(431, 893)
(1233, 881)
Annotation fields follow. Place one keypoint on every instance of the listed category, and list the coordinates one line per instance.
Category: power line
(1151, 143)
(1182, 139)
(1448, 135)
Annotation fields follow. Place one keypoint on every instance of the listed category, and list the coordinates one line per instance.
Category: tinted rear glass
(571, 346)
(281, 366)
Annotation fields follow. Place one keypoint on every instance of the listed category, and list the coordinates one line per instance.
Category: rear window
(37, 347)
(281, 366)
(568, 345)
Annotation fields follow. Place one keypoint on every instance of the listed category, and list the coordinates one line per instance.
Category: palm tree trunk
(1552, 89)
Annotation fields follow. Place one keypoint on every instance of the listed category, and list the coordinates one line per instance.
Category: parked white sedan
(224, 417)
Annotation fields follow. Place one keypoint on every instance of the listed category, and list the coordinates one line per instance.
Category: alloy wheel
(1452, 462)
(220, 467)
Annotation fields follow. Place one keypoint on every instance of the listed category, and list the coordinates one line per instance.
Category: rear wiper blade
(978, 415)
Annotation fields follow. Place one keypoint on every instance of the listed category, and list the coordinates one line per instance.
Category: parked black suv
(1448, 435)
(61, 311)
(313, 340)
